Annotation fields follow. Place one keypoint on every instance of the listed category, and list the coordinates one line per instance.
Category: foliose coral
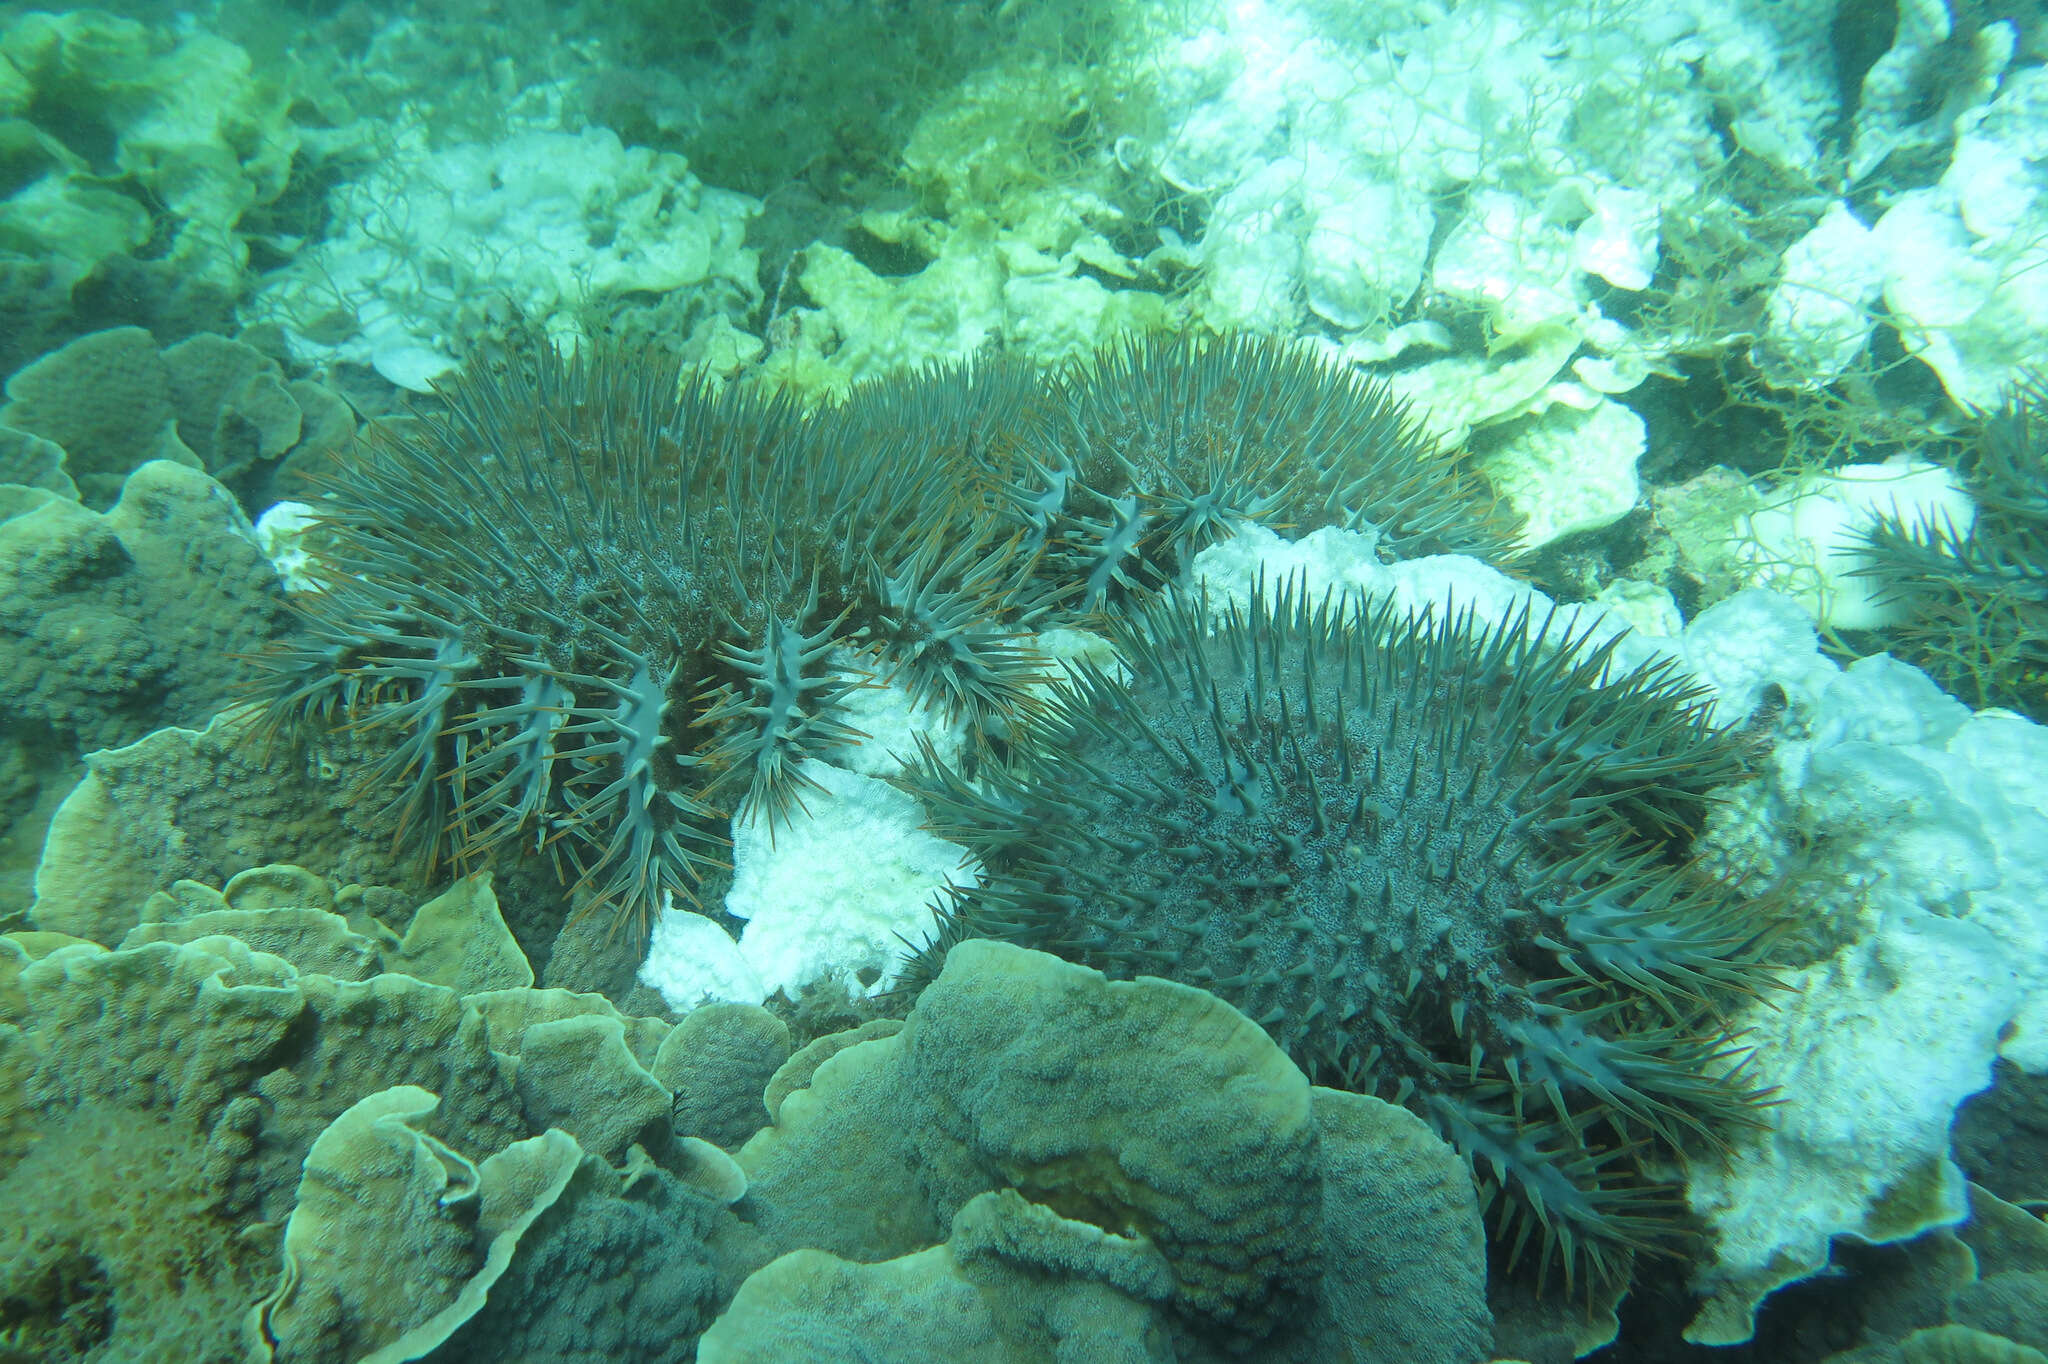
(1439, 860)
(110, 621)
(140, 157)
(113, 400)
(1136, 1137)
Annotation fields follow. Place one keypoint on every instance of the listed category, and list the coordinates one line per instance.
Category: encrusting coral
(1439, 860)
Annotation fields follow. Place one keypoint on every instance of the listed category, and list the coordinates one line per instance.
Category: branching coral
(1441, 861)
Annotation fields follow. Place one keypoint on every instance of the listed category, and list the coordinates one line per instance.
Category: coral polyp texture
(590, 605)
(1442, 861)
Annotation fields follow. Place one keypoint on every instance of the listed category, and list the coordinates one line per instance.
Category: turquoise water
(898, 680)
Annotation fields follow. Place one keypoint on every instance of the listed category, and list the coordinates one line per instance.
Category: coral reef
(184, 805)
(1977, 1294)
(223, 1154)
(135, 153)
(164, 590)
(1910, 833)
(1141, 1140)
(166, 1070)
(1011, 329)
(544, 226)
(629, 1265)
(721, 1059)
(1809, 540)
(1960, 258)
(256, 1092)
(112, 400)
(113, 624)
(370, 1178)
(722, 80)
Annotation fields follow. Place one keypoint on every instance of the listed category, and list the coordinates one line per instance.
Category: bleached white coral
(1823, 308)
(1966, 261)
(1572, 469)
(830, 892)
(431, 246)
(1808, 543)
(1331, 143)
(1924, 855)
(1913, 94)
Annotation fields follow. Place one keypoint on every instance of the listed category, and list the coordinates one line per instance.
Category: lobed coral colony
(1439, 860)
